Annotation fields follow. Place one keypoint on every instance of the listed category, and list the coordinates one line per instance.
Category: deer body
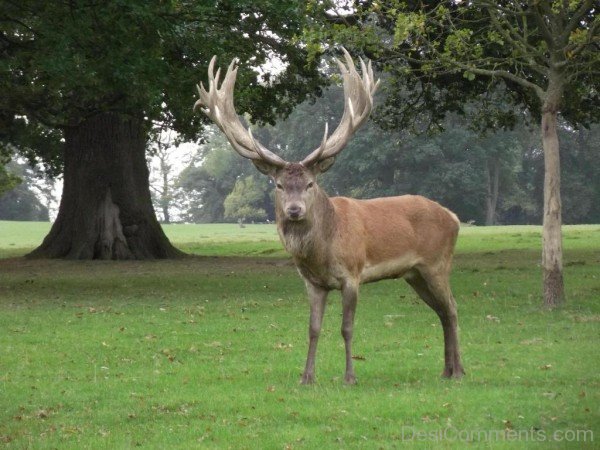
(368, 240)
(341, 243)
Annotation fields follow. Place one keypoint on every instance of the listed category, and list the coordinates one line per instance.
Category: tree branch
(539, 18)
(517, 41)
(575, 20)
(502, 74)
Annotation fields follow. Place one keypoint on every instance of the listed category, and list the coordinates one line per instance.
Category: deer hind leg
(434, 289)
(349, 300)
(318, 297)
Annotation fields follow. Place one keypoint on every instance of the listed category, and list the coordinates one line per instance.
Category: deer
(339, 243)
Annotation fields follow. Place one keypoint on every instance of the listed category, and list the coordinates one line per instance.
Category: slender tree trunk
(164, 192)
(106, 211)
(166, 216)
(493, 186)
(165, 195)
(554, 292)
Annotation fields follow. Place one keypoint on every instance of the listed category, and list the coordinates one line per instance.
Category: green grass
(18, 238)
(524, 237)
(207, 352)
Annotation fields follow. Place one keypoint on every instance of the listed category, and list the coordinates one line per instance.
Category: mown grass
(206, 352)
(18, 238)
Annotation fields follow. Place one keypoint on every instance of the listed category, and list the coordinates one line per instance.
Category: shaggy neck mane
(307, 239)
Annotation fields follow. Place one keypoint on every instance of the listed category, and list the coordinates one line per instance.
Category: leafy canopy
(440, 54)
(65, 61)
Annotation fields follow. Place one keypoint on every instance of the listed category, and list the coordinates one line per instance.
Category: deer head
(295, 181)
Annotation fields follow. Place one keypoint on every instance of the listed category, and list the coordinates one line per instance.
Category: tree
(85, 84)
(544, 52)
(211, 176)
(161, 193)
(22, 201)
(581, 173)
(246, 201)
(8, 180)
(580, 177)
(502, 152)
(165, 160)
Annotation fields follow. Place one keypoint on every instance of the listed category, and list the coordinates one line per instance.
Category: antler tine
(358, 103)
(264, 152)
(217, 104)
(217, 76)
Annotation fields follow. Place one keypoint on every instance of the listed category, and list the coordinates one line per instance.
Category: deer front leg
(349, 300)
(317, 297)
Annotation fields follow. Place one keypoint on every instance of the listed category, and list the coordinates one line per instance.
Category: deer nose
(294, 211)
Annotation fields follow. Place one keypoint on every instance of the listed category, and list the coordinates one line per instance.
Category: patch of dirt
(189, 264)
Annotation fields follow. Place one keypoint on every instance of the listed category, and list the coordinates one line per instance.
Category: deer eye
(309, 185)
(279, 186)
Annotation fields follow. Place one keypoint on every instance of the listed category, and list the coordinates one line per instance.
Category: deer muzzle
(295, 211)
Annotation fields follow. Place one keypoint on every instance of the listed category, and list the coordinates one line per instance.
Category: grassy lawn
(207, 351)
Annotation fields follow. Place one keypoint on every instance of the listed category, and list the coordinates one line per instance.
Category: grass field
(207, 351)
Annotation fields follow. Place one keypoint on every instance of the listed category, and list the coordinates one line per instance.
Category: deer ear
(264, 167)
(325, 165)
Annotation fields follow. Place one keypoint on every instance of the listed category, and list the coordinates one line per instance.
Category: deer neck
(309, 239)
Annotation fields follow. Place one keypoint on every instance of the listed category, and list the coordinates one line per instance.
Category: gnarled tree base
(106, 211)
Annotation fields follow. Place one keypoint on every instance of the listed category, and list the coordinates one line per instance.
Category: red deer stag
(339, 242)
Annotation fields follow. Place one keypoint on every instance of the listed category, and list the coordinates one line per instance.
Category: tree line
(486, 177)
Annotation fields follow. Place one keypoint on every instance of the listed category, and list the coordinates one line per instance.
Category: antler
(358, 102)
(217, 104)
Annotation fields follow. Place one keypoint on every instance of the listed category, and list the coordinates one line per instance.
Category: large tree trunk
(554, 292)
(106, 211)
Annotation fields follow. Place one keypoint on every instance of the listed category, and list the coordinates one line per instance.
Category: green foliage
(439, 55)
(580, 184)
(8, 180)
(19, 198)
(208, 352)
(21, 203)
(203, 186)
(246, 200)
